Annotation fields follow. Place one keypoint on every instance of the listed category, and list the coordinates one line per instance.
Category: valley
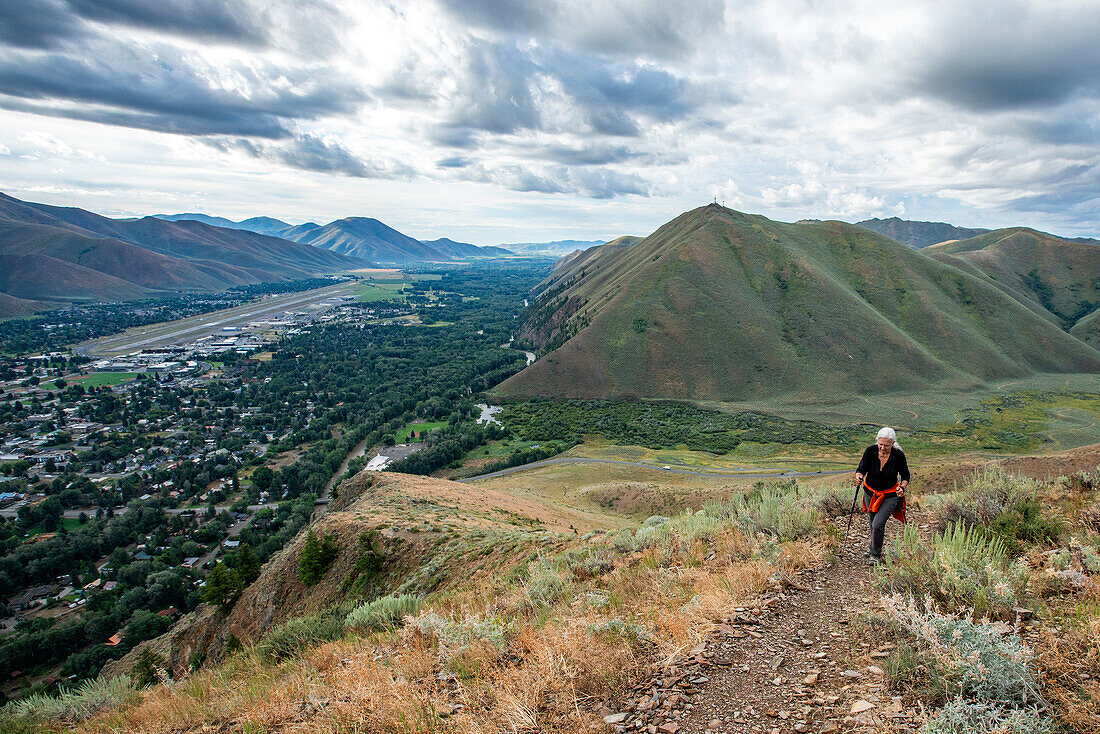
(202, 496)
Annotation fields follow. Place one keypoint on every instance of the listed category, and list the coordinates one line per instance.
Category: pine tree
(248, 565)
(223, 587)
(309, 564)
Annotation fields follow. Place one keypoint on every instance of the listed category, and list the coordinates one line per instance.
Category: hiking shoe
(873, 560)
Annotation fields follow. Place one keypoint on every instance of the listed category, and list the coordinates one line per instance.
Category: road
(190, 329)
(775, 474)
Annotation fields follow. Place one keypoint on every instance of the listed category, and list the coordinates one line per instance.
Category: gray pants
(878, 522)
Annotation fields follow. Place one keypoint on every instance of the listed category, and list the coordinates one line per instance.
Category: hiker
(884, 474)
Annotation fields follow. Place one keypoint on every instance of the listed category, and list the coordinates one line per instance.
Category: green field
(403, 435)
(98, 379)
(380, 290)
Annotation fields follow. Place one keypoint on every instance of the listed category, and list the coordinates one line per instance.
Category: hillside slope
(719, 305)
(1059, 276)
(124, 259)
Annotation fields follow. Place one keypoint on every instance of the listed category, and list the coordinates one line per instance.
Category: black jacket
(896, 469)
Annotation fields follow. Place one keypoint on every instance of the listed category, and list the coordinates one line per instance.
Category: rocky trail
(800, 659)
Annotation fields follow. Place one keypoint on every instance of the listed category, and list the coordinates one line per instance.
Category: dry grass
(550, 669)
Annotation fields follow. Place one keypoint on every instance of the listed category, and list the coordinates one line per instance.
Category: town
(125, 479)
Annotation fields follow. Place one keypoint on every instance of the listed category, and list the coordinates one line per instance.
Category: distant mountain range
(720, 305)
(54, 255)
(923, 234)
(557, 247)
(356, 236)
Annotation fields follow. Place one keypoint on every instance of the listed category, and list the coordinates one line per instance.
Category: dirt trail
(799, 660)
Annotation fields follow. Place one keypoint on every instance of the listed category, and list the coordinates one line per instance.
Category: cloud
(595, 183)
(504, 89)
(652, 28)
(1011, 55)
(163, 89)
(308, 152)
(36, 23)
(202, 19)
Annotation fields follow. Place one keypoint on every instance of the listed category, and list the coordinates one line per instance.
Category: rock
(810, 679)
(615, 718)
(714, 724)
(875, 670)
(852, 674)
(669, 727)
(860, 706)
(828, 727)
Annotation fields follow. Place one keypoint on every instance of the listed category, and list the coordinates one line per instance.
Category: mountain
(919, 234)
(356, 236)
(720, 305)
(1051, 275)
(265, 225)
(367, 238)
(260, 225)
(451, 248)
(64, 254)
(557, 247)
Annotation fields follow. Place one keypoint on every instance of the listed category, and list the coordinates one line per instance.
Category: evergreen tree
(247, 564)
(317, 555)
(223, 587)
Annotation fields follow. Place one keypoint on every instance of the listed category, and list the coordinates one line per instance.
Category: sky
(492, 121)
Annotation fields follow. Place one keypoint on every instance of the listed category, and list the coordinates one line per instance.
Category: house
(231, 543)
(114, 639)
(190, 561)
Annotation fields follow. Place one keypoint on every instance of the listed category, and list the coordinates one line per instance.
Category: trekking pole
(850, 514)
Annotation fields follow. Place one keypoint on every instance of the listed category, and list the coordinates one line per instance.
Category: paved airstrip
(187, 330)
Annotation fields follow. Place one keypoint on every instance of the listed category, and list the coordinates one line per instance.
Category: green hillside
(1088, 329)
(719, 305)
(1055, 275)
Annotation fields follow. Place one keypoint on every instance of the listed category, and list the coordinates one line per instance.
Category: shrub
(983, 661)
(1024, 522)
(776, 509)
(983, 717)
(455, 636)
(963, 570)
(297, 634)
(73, 704)
(385, 612)
(545, 585)
(984, 495)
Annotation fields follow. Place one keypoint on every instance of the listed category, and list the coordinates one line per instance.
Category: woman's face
(884, 446)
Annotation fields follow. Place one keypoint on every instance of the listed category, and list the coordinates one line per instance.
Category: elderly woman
(884, 474)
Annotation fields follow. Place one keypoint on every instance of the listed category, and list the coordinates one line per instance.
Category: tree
(223, 587)
(262, 478)
(247, 564)
(317, 555)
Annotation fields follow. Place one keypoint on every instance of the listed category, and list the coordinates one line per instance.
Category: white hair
(887, 432)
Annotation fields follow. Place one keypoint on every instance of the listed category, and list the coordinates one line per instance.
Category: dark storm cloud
(36, 23)
(615, 27)
(163, 90)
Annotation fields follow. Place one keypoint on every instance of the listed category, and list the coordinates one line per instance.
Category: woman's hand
(859, 479)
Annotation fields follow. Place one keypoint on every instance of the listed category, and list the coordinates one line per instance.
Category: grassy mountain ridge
(1060, 276)
(722, 305)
